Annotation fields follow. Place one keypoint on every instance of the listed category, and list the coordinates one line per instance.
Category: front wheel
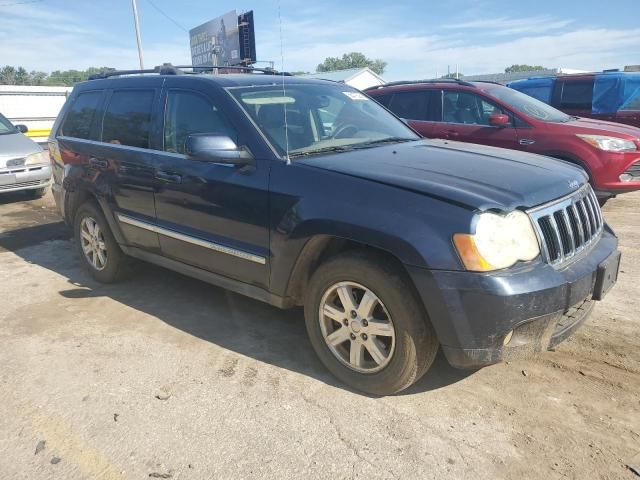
(367, 326)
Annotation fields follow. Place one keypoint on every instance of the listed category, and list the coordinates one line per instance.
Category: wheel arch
(318, 249)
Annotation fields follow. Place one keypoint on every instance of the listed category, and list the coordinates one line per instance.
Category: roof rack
(418, 82)
(168, 69)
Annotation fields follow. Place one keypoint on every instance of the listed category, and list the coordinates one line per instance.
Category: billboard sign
(217, 42)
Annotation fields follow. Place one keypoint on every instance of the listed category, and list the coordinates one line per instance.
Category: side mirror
(22, 128)
(499, 120)
(210, 147)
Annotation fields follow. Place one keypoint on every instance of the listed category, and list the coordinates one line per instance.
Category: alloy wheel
(357, 327)
(92, 243)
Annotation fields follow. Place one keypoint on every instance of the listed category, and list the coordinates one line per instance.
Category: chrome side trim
(193, 240)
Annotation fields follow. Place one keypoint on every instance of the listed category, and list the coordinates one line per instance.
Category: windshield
(5, 126)
(528, 105)
(319, 118)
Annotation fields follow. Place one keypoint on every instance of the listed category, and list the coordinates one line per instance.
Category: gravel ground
(162, 376)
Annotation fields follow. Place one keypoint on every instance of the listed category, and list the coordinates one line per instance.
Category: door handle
(452, 133)
(168, 177)
(96, 162)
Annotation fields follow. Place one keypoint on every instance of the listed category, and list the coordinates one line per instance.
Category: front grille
(634, 170)
(567, 226)
(22, 184)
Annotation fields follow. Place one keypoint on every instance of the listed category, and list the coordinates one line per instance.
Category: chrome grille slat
(567, 222)
(567, 226)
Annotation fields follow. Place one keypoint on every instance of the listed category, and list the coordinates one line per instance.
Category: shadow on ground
(232, 321)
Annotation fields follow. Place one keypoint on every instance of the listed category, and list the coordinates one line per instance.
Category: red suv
(492, 114)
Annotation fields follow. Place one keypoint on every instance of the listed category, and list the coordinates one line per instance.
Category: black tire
(37, 192)
(603, 200)
(416, 344)
(115, 265)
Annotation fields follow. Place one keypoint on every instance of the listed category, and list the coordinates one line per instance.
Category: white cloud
(512, 26)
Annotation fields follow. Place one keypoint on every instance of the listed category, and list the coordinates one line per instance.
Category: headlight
(499, 242)
(36, 158)
(609, 144)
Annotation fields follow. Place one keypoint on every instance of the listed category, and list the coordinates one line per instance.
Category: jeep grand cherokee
(306, 192)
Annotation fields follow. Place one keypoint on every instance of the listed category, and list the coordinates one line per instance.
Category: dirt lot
(166, 377)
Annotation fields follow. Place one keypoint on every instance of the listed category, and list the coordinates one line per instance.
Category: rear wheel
(367, 326)
(96, 244)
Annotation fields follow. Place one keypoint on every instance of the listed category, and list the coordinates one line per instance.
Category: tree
(523, 68)
(352, 60)
(7, 75)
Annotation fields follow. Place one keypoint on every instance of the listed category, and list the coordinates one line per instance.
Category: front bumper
(25, 178)
(537, 305)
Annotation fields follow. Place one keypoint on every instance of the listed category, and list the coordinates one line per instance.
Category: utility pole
(139, 40)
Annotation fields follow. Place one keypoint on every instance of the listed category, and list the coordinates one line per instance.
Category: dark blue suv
(306, 192)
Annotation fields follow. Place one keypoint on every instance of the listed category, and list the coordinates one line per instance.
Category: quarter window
(127, 120)
(80, 117)
(188, 113)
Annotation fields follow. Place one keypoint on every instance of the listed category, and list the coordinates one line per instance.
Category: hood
(601, 127)
(16, 145)
(475, 176)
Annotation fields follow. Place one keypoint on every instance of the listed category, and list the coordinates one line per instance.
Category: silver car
(23, 163)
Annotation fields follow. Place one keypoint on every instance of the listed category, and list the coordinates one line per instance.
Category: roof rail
(168, 69)
(487, 81)
(418, 82)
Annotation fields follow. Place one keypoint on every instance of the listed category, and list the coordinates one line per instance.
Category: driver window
(467, 108)
(189, 113)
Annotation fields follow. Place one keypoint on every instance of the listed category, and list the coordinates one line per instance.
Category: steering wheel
(341, 130)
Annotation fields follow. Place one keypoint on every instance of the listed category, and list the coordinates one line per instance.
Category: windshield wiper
(337, 148)
(382, 141)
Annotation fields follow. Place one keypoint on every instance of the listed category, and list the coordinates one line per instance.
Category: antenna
(138, 39)
(284, 91)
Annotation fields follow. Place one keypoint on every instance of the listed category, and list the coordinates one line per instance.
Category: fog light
(625, 177)
(507, 339)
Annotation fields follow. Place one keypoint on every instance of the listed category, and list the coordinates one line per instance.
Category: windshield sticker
(355, 95)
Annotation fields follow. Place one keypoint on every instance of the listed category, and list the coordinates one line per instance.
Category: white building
(359, 78)
(34, 106)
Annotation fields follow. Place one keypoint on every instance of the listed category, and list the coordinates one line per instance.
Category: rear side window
(577, 95)
(127, 120)
(416, 105)
(80, 116)
(384, 99)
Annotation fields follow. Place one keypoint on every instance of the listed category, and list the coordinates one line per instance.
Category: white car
(23, 163)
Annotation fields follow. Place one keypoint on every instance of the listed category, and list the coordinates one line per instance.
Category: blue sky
(417, 38)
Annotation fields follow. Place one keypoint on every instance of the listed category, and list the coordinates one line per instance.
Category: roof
(223, 80)
(342, 75)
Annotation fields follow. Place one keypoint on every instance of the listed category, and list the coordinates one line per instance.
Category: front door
(210, 215)
(465, 118)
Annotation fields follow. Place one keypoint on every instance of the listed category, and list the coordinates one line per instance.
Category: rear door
(420, 108)
(465, 118)
(126, 159)
(210, 215)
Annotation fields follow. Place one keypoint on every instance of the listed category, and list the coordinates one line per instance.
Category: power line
(166, 16)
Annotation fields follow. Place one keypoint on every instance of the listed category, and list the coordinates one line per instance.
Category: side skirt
(236, 286)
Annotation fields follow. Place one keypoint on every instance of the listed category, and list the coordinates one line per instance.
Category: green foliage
(352, 60)
(19, 76)
(523, 68)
